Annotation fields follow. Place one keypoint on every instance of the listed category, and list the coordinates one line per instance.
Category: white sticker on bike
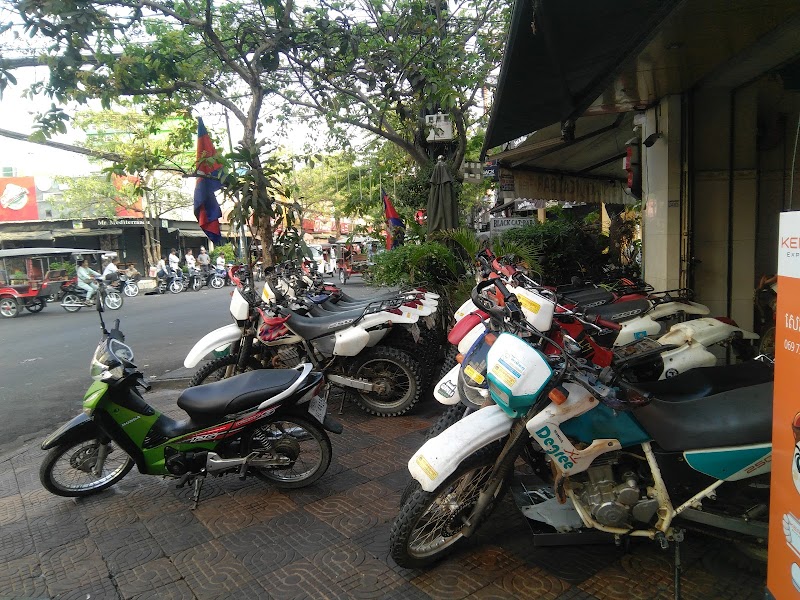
(317, 407)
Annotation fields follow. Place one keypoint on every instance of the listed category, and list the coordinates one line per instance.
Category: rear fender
(212, 341)
(439, 457)
(668, 309)
(79, 427)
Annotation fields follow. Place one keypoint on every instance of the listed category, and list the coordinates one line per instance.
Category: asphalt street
(44, 357)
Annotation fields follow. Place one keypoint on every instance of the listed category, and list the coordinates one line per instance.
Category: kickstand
(198, 485)
(677, 568)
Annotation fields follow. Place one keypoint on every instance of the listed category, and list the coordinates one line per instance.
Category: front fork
(103, 449)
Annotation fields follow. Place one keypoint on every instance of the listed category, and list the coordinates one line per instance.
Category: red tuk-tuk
(26, 279)
(354, 258)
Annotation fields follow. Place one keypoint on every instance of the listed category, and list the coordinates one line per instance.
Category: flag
(393, 222)
(206, 208)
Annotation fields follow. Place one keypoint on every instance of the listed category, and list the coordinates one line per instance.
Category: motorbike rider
(190, 259)
(86, 277)
(111, 267)
(204, 260)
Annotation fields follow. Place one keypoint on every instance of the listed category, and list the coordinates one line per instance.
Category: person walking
(86, 277)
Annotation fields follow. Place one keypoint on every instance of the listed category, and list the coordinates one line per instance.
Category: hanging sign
(783, 561)
(504, 223)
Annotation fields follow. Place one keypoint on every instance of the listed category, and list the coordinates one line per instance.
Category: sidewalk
(248, 540)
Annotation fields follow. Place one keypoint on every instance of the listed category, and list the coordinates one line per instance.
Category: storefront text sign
(783, 561)
(502, 224)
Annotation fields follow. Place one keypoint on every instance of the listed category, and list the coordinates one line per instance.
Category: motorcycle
(650, 460)
(386, 380)
(74, 297)
(172, 280)
(271, 424)
(129, 286)
(198, 278)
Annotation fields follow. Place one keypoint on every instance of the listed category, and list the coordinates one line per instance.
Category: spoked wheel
(72, 302)
(430, 524)
(113, 300)
(303, 442)
(217, 282)
(9, 307)
(176, 286)
(36, 305)
(69, 469)
(131, 289)
(396, 376)
(216, 369)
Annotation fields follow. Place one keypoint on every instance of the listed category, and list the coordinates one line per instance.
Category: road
(44, 357)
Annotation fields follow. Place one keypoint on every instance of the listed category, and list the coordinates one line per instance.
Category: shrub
(567, 248)
(428, 263)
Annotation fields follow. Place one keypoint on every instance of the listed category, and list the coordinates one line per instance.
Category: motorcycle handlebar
(607, 324)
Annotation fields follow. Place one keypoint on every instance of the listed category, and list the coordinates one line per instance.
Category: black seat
(310, 328)
(619, 311)
(317, 311)
(590, 297)
(708, 381)
(237, 393)
(711, 406)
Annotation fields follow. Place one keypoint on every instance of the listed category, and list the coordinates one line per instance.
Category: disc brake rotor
(84, 459)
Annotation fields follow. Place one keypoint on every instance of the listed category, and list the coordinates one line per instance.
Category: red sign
(18, 199)
(125, 207)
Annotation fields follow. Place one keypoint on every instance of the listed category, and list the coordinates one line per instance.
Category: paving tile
(259, 549)
(222, 515)
(354, 521)
(303, 532)
(396, 480)
(575, 593)
(177, 590)
(450, 580)
(146, 577)
(8, 481)
(56, 530)
(264, 503)
(210, 570)
(101, 588)
(251, 590)
(177, 531)
(12, 510)
(16, 541)
(301, 580)
(114, 517)
(28, 478)
(71, 566)
(574, 563)
(532, 582)
(22, 577)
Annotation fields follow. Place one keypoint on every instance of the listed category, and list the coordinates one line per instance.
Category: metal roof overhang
(16, 252)
(561, 55)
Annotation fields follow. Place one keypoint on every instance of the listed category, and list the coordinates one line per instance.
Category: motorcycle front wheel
(397, 376)
(430, 524)
(197, 283)
(113, 300)
(72, 299)
(301, 440)
(131, 289)
(67, 470)
(217, 282)
(215, 370)
(175, 286)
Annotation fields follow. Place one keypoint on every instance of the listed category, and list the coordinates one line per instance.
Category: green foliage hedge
(567, 248)
(430, 262)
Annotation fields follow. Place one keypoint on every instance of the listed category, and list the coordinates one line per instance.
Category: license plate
(317, 407)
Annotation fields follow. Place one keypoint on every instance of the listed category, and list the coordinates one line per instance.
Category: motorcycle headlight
(473, 385)
(109, 360)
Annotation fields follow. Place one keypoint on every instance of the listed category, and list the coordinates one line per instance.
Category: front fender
(212, 341)
(440, 456)
(77, 428)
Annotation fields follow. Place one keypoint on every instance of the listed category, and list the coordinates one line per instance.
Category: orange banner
(783, 562)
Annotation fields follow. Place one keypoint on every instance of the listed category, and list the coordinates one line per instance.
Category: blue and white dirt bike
(690, 452)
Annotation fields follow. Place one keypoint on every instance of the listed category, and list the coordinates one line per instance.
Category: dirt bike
(271, 424)
(690, 452)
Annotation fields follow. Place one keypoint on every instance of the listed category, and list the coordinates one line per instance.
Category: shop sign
(783, 564)
(504, 223)
(120, 222)
(506, 182)
(491, 170)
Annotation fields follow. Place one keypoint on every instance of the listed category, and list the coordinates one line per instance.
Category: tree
(153, 151)
(371, 64)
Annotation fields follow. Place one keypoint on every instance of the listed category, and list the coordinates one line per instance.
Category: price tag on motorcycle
(415, 333)
(317, 407)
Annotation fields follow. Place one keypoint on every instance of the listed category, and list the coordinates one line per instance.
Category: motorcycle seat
(619, 311)
(589, 297)
(310, 328)
(317, 311)
(236, 394)
(736, 417)
(708, 381)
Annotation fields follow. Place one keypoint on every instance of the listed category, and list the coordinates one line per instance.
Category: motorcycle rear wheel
(175, 286)
(66, 469)
(217, 282)
(430, 524)
(131, 289)
(302, 440)
(71, 299)
(397, 371)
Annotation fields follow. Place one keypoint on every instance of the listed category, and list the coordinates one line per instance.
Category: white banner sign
(504, 223)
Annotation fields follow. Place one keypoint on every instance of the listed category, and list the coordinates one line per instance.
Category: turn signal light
(558, 395)
(489, 339)
(459, 358)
